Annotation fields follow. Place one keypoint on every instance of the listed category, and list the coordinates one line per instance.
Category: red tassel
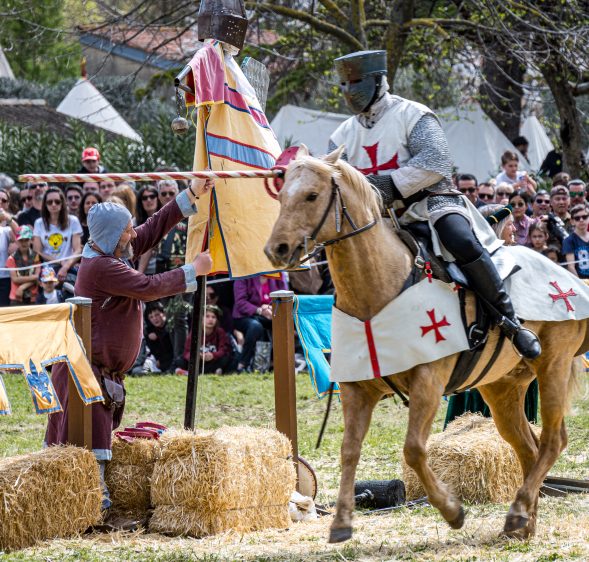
(428, 271)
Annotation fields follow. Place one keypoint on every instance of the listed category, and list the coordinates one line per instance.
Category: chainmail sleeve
(430, 165)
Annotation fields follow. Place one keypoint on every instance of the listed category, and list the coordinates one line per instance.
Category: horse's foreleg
(506, 402)
(425, 393)
(357, 404)
(553, 383)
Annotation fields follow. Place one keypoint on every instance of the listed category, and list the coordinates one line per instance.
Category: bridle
(336, 200)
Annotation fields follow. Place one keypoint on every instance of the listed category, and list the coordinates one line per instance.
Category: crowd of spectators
(43, 229)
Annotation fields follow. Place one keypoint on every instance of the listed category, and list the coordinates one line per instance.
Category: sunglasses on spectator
(504, 193)
(3, 200)
(542, 201)
(577, 193)
(53, 202)
(581, 217)
(167, 193)
(486, 196)
(26, 198)
(38, 185)
(467, 189)
(147, 197)
(73, 197)
(519, 204)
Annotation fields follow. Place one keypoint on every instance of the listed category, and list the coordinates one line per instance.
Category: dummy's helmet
(359, 75)
(224, 20)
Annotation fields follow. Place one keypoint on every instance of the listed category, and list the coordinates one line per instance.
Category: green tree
(36, 40)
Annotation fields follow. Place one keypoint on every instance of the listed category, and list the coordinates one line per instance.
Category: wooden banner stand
(80, 415)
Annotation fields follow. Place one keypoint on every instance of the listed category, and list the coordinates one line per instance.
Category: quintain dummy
(401, 148)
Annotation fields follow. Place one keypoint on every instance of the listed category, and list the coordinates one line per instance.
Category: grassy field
(418, 534)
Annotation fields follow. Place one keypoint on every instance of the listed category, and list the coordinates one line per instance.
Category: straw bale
(473, 460)
(54, 493)
(230, 478)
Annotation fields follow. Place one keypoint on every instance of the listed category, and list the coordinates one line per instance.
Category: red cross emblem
(372, 152)
(563, 296)
(435, 325)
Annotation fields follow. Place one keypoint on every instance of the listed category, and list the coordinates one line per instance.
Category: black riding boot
(485, 281)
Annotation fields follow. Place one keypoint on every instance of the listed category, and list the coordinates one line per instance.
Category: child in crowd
(23, 282)
(538, 237)
(511, 175)
(576, 246)
(49, 294)
(158, 337)
(551, 252)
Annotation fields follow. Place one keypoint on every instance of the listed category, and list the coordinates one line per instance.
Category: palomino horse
(368, 270)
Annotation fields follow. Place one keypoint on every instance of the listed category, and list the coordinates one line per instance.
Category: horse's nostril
(282, 250)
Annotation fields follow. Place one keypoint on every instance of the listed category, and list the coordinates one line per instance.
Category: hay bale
(237, 478)
(54, 493)
(473, 460)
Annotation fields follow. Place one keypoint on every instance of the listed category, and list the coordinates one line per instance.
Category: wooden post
(285, 396)
(80, 415)
(195, 344)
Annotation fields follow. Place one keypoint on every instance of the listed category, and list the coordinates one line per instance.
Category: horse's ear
(334, 156)
(303, 150)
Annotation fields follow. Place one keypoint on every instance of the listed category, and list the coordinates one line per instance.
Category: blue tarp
(312, 318)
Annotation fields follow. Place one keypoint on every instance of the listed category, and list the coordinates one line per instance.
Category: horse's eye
(312, 196)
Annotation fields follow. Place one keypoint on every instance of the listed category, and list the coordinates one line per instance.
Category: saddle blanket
(424, 323)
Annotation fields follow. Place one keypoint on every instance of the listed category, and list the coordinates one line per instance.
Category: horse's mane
(369, 197)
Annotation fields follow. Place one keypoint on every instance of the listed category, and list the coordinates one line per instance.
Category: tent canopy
(5, 70)
(86, 103)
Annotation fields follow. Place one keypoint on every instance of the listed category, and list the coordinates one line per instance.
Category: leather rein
(336, 200)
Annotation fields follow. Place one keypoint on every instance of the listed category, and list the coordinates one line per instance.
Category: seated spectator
(252, 313)
(49, 293)
(24, 282)
(126, 194)
(73, 196)
(29, 216)
(217, 354)
(519, 201)
(504, 190)
(562, 178)
(486, 193)
(158, 337)
(538, 235)
(540, 204)
(56, 234)
(88, 201)
(560, 204)
(8, 230)
(90, 187)
(575, 248)
(552, 253)
(91, 162)
(467, 185)
(105, 188)
(511, 175)
(577, 192)
(501, 220)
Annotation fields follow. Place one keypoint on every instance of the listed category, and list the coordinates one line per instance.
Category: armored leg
(457, 236)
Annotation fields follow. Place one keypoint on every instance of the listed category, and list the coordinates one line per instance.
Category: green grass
(418, 534)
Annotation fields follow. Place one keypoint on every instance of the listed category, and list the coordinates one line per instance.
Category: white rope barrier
(42, 264)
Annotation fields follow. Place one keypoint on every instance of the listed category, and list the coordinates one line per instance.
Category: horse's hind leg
(506, 402)
(553, 378)
(357, 403)
(424, 399)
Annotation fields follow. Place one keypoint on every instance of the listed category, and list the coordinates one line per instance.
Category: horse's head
(307, 212)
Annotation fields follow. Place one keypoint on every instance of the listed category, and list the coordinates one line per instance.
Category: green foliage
(42, 151)
(37, 44)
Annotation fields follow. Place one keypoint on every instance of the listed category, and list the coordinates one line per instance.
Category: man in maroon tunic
(117, 292)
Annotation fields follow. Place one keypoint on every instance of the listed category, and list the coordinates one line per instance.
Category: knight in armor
(400, 146)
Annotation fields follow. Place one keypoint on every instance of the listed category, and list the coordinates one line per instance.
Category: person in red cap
(91, 162)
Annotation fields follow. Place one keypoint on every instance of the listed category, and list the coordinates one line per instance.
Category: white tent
(5, 70)
(296, 125)
(540, 144)
(86, 103)
(476, 143)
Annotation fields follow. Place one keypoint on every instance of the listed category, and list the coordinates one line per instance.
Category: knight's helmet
(359, 75)
(224, 20)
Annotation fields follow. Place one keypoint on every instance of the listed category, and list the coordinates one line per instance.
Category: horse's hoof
(340, 535)
(514, 522)
(458, 521)
(522, 534)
